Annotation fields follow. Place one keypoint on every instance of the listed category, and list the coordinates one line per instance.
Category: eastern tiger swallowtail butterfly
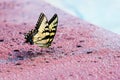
(44, 31)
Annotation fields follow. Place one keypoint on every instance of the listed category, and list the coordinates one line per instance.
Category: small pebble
(89, 52)
(47, 61)
(1, 40)
(20, 32)
(82, 41)
(18, 63)
(16, 50)
(78, 46)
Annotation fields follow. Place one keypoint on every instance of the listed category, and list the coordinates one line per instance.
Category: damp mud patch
(17, 55)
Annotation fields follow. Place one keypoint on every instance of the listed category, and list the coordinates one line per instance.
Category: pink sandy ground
(80, 50)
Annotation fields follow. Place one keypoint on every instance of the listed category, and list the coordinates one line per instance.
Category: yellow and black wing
(53, 22)
(44, 32)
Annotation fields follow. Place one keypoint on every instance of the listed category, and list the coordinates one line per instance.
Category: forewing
(41, 37)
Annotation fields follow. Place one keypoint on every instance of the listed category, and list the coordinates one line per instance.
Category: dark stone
(59, 47)
(1, 40)
(18, 63)
(78, 46)
(20, 32)
(47, 61)
(16, 50)
(82, 41)
(89, 52)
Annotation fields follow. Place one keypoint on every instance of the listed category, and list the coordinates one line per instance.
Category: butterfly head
(29, 37)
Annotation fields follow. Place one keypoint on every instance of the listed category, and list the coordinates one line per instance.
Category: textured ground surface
(80, 50)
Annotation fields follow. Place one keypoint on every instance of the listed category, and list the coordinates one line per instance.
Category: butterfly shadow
(22, 54)
(18, 55)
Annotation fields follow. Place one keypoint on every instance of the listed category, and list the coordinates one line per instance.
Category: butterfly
(44, 31)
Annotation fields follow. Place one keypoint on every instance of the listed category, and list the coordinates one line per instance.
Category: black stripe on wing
(45, 31)
(52, 19)
(53, 31)
(40, 19)
(48, 37)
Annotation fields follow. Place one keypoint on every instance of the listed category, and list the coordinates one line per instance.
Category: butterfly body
(44, 32)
